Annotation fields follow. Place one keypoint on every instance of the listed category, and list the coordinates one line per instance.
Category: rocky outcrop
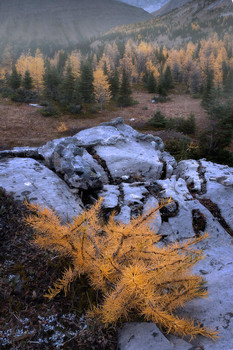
(28, 179)
(132, 172)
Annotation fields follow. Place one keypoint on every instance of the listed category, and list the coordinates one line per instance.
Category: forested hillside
(160, 56)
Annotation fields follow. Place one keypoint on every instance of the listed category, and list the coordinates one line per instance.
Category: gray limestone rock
(27, 178)
(133, 159)
(99, 135)
(47, 150)
(188, 170)
(125, 215)
(219, 189)
(24, 152)
(146, 336)
(110, 195)
(133, 193)
(75, 164)
(152, 202)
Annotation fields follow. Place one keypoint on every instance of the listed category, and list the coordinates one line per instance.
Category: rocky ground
(131, 171)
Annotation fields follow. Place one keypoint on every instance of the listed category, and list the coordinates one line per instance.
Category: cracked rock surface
(132, 172)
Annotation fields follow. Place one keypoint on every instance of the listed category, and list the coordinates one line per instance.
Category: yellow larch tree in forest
(33, 64)
(101, 87)
(74, 61)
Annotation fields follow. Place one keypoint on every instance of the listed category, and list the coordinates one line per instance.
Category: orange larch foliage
(124, 263)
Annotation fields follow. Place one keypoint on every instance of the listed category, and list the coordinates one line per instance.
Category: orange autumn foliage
(123, 262)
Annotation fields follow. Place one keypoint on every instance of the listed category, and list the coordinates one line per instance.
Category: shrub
(123, 263)
(49, 111)
(182, 148)
(161, 99)
(158, 120)
(24, 96)
(74, 109)
(6, 92)
(187, 126)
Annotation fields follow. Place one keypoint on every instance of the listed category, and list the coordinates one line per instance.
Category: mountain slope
(195, 20)
(148, 5)
(201, 8)
(169, 6)
(59, 23)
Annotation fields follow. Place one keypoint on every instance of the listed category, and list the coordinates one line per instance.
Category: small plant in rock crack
(125, 265)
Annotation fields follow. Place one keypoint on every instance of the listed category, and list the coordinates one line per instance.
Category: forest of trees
(109, 73)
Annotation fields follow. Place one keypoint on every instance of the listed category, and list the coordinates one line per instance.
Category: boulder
(78, 168)
(27, 178)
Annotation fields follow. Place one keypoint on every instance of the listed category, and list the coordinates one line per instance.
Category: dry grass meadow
(23, 125)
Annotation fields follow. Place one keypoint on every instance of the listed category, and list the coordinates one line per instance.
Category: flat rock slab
(220, 188)
(147, 336)
(27, 178)
(137, 160)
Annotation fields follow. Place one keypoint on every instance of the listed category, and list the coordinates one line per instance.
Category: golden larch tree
(101, 87)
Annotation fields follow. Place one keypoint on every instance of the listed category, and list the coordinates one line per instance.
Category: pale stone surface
(27, 178)
(133, 193)
(110, 195)
(133, 159)
(219, 189)
(142, 336)
(188, 170)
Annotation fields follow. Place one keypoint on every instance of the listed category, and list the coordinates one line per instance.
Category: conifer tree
(68, 86)
(168, 81)
(27, 83)
(86, 82)
(51, 82)
(151, 83)
(125, 91)
(62, 58)
(209, 92)
(14, 79)
(219, 134)
(114, 84)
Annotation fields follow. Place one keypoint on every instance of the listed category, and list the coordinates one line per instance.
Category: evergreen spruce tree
(167, 79)
(27, 82)
(151, 83)
(51, 82)
(228, 83)
(114, 84)
(14, 79)
(125, 92)
(77, 97)
(86, 82)
(68, 86)
(62, 58)
(105, 69)
(161, 86)
(214, 140)
(208, 91)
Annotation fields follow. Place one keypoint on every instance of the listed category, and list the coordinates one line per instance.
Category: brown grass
(22, 125)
